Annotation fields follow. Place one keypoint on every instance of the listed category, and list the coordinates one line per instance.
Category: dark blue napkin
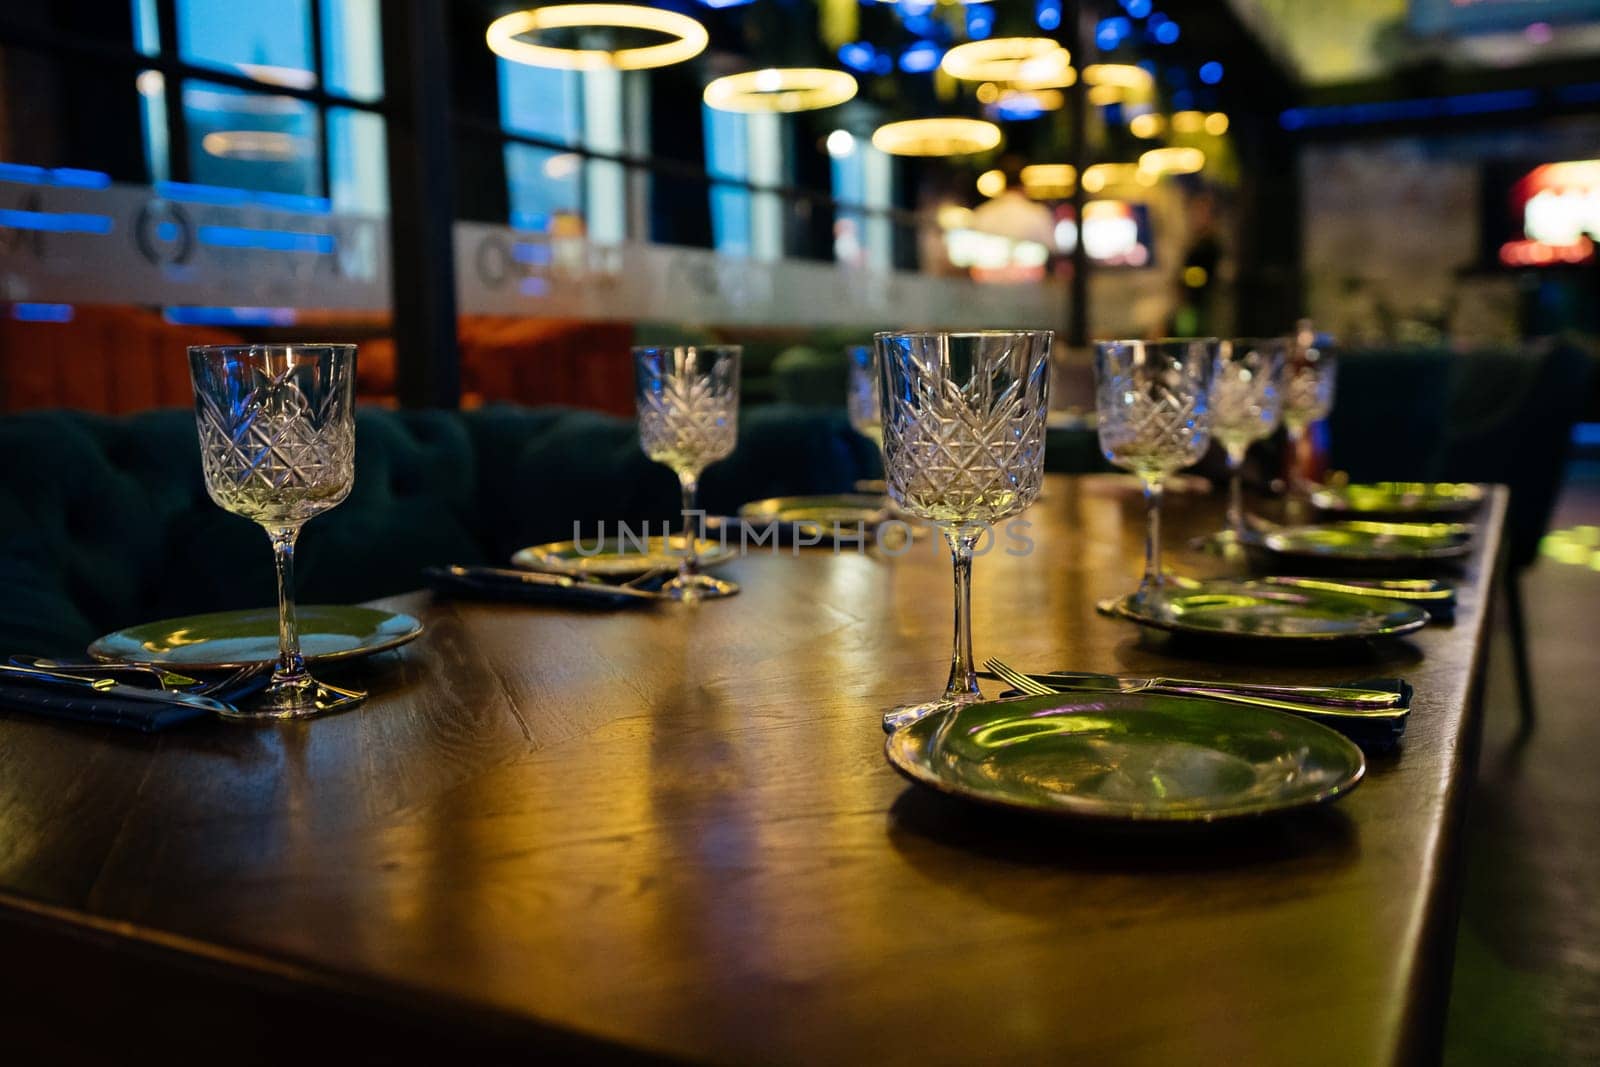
(102, 709)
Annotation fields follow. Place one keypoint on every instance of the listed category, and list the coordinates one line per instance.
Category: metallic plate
(817, 516)
(615, 557)
(1127, 757)
(227, 640)
(1400, 498)
(1259, 611)
(1371, 542)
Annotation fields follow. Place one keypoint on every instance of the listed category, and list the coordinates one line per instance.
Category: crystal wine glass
(1246, 405)
(963, 434)
(862, 399)
(1154, 419)
(1309, 374)
(688, 400)
(277, 445)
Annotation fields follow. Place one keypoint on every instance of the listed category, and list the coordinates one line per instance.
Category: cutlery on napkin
(503, 583)
(103, 701)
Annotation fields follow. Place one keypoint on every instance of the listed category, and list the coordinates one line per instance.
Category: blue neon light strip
(229, 316)
(54, 222)
(66, 177)
(190, 193)
(266, 240)
(42, 312)
(1432, 107)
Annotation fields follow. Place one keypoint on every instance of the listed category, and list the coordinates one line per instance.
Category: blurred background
(1412, 172)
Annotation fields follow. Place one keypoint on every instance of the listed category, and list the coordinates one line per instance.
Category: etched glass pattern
(277, 441)
(1308, 381)
(963, 422)
(1246, 401)
(1152, 403)
(688, 403)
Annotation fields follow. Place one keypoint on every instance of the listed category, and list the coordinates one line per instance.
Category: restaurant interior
(661, 366)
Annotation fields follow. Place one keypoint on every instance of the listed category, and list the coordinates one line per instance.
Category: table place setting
(1151, 749)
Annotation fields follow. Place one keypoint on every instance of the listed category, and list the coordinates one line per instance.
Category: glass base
(297, 698)
(699, 587)
(906, 714)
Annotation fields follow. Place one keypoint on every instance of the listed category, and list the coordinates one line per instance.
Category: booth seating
(106, 523)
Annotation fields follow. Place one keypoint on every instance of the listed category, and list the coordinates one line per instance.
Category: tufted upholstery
(104, 521)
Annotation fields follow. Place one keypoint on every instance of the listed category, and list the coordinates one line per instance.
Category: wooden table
(672, 832)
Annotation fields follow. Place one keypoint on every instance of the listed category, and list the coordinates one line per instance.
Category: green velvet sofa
(104, 522)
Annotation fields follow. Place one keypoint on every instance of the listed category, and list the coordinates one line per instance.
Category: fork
(1035, 687)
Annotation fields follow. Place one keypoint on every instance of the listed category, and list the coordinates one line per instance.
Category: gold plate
(227, 640)
(1127, 757)
(614, 557)
(819, 516)
(1400, 498)
(1366, 541)
(1265, 612)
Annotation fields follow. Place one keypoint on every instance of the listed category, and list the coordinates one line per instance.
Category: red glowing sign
(1560, 208)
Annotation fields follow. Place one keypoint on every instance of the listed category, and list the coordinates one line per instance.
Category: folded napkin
(101, 708)
(1373, 734)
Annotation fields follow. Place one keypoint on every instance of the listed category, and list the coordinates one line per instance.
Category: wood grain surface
(672, 832)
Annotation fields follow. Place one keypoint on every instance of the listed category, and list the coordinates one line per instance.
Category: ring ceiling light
(936, 137)
(1049, 181)
(687, 38)
(1103, 175)
(781, 89)
(1122, 75)
(1000, 59)
(1173, 160)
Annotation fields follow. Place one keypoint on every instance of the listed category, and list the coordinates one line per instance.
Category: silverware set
(136, 682)
(1313, 701)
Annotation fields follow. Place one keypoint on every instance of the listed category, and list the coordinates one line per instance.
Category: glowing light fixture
(953, 217)
(783, 89)
(991, 183)
(1123, 75)
(687, 38)
(946, 136)
(1105, 95)
(1104, 175)
(1216, 124)
(999, 59)
(252, 146)
(1053, 70)
(841, 143)
(1188, 121)
(988, 93)
(1049, 181)
(1147, 125)
(1174, 160)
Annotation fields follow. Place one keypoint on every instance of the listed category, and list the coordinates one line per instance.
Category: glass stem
(291, 667)
(963, 683)
(689, 565)
(1150, 584)
(1236, 493)
(1296, 437)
